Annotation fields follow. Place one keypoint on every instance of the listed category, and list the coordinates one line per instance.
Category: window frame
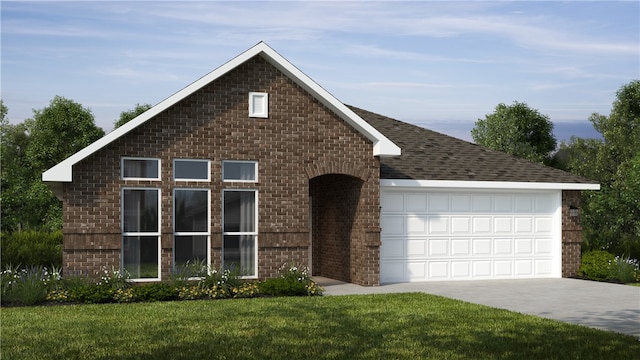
(208, 179)
(124, 158)
(240, 233)
(255, 171)
(191, 233)
(156, 234)
(265, 104)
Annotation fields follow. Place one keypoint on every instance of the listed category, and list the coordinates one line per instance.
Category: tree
(517, 130)
(129, 115)
(611, 216)
(58, 131)
(28, 149)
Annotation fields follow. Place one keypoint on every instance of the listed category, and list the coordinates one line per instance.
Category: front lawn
(402, 326)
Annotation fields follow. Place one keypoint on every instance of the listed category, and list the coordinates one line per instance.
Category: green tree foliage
(611, 216)
(30, 148)
(517, 130)
(60, 130)
(129, 115)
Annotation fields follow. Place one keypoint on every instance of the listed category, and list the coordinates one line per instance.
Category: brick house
(254, 166)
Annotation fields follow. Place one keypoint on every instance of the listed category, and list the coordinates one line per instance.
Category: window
(141, 233)
(240, 231)
(240, 171)
(258, 104)
(140, 168)
(191, 230)
(194, 170)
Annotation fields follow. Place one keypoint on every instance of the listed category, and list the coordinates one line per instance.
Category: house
(255, 165)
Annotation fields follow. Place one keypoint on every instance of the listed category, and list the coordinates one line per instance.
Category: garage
(467, 234)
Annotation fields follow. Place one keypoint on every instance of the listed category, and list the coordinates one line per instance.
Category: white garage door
(465, 235)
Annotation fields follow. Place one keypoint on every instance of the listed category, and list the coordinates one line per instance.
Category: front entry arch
(336, 225)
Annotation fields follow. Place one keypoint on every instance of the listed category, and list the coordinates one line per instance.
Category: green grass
(394, 326)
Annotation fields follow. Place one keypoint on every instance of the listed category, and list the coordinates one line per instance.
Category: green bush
(282, 287)
(27, 286)
(91, 294)
(625, 270)
(31, 248)
(155, 292)
(595, 264)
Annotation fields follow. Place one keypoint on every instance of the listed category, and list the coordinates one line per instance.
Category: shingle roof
(428, 155)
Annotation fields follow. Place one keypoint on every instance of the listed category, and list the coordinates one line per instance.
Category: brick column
(571, 233)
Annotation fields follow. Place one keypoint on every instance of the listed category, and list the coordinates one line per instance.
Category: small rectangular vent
(258, 104)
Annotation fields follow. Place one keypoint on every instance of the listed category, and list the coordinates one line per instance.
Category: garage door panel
(392, 225)
(417, 224)
(503, 246)
(438, 247)
(458, 234)
(481, 225)
(524, 268)
(417, 203)
(438, 225)
(503, 268)
(438, 269)
(416, 248)
(393, 248)
(481, 246)
(461, 225)
(392, 271)
(460, 247)
(461, 269)
(417, 270)
(524, 246)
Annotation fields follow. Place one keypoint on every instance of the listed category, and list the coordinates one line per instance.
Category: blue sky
(440, 65)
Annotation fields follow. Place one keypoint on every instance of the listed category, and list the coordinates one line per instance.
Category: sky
(437, 64)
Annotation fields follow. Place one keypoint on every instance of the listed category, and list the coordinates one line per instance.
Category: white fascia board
(505, 185)
(382, 146)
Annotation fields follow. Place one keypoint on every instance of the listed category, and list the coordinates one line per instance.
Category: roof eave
(505, 185)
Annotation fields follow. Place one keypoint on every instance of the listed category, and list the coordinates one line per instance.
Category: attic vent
(258, 104)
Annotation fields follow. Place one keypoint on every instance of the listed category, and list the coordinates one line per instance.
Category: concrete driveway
(599, 305)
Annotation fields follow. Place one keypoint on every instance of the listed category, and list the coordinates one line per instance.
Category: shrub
(282, 287)
(595, 264)
(91, 294)
(27, 286)
(625, 270)
(293, 281)
(155, 292)
(32, 248)
(220, 284)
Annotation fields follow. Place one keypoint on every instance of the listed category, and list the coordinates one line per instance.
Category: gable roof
(382, 146)
(433, 159)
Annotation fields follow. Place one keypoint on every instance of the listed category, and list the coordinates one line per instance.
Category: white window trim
(175, 233)
(157, 234)
(122, 160)
(255, 164)
(253, 233)
(265, 105)
(208, 179)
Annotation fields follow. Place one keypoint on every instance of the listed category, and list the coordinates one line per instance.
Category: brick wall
(300, 140)
(571, 233)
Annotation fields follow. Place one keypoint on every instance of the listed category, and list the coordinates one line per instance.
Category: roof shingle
(428, 155)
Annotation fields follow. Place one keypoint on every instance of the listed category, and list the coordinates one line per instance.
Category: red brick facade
(571, 233)
(301, 149)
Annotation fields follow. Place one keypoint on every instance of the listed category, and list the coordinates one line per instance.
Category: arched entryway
(335, 224)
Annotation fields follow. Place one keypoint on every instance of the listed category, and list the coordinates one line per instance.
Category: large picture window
(240, 231)
(141, 233)
(191, 231)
